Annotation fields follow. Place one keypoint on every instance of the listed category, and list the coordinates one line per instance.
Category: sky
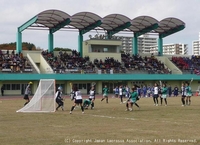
(16, 12)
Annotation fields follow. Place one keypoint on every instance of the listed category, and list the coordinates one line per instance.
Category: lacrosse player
(183, 94)
(188, 94)
(132, 99)
(121, 93)
(92, 96)
(105, 94)
(176, 90)
(155, 95)
(27, 92)
(78, 100)
(86, 103)
(164, 94)
(116, 90)
(59, 99)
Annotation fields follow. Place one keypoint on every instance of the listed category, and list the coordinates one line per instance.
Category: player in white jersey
(155, 94)
(92, 96)
(78, 99)
(121, 94)
(183, 94)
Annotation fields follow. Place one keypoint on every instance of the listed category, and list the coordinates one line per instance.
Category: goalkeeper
(59, 99)
(27, 92)
(132, 99)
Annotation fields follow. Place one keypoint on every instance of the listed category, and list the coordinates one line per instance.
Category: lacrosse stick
(71, 94)
(125, 101)
(191, 81)
(93, 84)
(160, 83)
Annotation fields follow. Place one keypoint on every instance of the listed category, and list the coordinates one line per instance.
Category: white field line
(126, 118)
(111, 117)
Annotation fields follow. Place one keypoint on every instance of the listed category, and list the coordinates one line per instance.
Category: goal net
(43, 99)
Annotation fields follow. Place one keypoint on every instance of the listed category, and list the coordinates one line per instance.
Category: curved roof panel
(113, 21)
(142, 22)
(56, 19)
(51, 18)
(168, 24)
(83, 19)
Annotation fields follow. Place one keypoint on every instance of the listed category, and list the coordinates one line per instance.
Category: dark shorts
(155, 95)
(59, 102)
(79, 101)
(183, 96)
(26, 97)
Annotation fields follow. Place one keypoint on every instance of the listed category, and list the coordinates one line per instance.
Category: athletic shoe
(82, 112)
(156, 104)
(182, 105)
(130, 109)
(70, 112)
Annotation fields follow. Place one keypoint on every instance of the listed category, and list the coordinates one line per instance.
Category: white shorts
(164, 96)
(91, 97)
(188, 95)
(105, 95)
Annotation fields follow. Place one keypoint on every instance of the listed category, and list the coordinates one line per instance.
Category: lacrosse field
(107, 123)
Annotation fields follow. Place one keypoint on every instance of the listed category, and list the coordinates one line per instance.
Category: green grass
(107, 123)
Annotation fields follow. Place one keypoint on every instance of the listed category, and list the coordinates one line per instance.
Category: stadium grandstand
(99, 59)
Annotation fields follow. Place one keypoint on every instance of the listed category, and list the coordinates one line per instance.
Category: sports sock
(72, 108)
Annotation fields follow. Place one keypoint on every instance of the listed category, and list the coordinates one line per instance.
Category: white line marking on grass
(111, 117)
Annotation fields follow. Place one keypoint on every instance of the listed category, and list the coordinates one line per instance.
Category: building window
(12, 86)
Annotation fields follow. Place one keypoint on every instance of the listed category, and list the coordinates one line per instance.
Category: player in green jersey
(105, 94)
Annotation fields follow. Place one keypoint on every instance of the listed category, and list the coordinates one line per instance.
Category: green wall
(103, 77)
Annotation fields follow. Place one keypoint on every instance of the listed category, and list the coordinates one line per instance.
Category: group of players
(86, 103)
(76, 96)
(132, 95)
(160, 90)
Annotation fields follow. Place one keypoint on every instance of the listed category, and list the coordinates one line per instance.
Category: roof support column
(80, 43)
(50, 42)
(19, 42)
(135, 44)
(160, 46)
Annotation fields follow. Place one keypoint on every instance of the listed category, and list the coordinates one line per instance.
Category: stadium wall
(100, 79)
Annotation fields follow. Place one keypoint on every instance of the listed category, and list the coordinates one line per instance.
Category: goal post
(44, 98)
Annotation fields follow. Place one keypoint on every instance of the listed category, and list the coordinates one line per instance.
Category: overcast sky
(16, 12)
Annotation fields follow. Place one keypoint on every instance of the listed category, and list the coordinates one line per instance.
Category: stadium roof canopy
(54, 20)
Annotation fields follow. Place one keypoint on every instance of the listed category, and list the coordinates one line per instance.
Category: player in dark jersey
(176, 90)
(26, 93)
(59, 99)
